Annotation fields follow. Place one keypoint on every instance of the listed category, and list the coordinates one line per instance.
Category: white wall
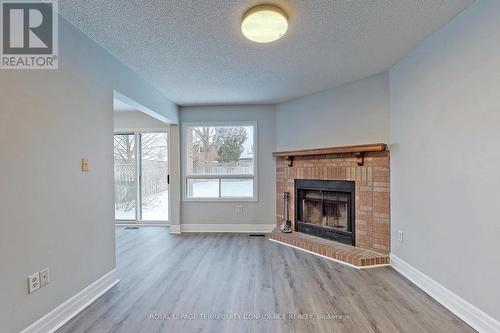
(355, 113)
(51, 214)
(261, 212)
(136, 120)
(445, 132)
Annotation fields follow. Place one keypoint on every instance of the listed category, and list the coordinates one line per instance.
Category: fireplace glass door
(325, 209)
(325, 212)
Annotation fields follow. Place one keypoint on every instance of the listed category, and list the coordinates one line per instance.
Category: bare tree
(124, 148)
(203, 136)
(152, 147)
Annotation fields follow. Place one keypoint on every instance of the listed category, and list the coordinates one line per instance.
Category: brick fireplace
(367, 171)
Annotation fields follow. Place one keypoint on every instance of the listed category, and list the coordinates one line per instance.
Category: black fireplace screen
(325, 208)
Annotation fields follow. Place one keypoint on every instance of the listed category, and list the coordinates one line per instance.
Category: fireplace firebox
(326, 208)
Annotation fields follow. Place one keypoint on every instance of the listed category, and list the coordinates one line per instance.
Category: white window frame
(185, 154)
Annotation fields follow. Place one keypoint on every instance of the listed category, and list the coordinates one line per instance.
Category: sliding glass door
(141, 184)
(154, 176)
(125, 177)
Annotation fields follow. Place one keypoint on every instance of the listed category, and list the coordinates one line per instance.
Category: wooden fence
(154, 180)
(232, 168)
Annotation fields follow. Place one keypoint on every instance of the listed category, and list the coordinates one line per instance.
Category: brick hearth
(372, 183)
(355, 256)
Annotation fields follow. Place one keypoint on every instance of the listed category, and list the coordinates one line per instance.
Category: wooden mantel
(358, 150)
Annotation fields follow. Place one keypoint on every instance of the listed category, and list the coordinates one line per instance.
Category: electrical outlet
(400, 236)
(44, 277)
(33, 282)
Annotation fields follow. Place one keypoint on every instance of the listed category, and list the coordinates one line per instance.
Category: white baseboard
(175, 229)
(73, 306)
(473, 316)
(236, 228)
(146, 224)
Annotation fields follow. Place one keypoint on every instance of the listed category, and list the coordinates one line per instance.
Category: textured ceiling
(194, 52)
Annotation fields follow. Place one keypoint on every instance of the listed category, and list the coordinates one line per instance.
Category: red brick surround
(372, 190)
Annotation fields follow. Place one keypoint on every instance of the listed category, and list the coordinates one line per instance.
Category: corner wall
(445, 130)
(355, 113)
(51, 214)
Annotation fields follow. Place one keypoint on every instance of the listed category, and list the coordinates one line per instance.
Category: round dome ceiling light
(264, 23)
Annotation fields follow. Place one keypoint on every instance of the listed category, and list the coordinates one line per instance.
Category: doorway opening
(141, 167)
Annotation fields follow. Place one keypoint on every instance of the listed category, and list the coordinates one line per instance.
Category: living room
(226, 166)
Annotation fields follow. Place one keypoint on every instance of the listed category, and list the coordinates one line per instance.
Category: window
(141, 176)
(220, 161)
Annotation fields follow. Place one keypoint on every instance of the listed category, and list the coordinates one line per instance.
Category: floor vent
(131, 228)
(257, 235)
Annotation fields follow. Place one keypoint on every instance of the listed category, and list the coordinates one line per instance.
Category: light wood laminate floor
(234, 274)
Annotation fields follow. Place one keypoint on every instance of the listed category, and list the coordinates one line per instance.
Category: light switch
(85, 165)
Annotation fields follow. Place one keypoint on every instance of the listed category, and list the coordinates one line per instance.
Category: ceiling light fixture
(264, 23)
